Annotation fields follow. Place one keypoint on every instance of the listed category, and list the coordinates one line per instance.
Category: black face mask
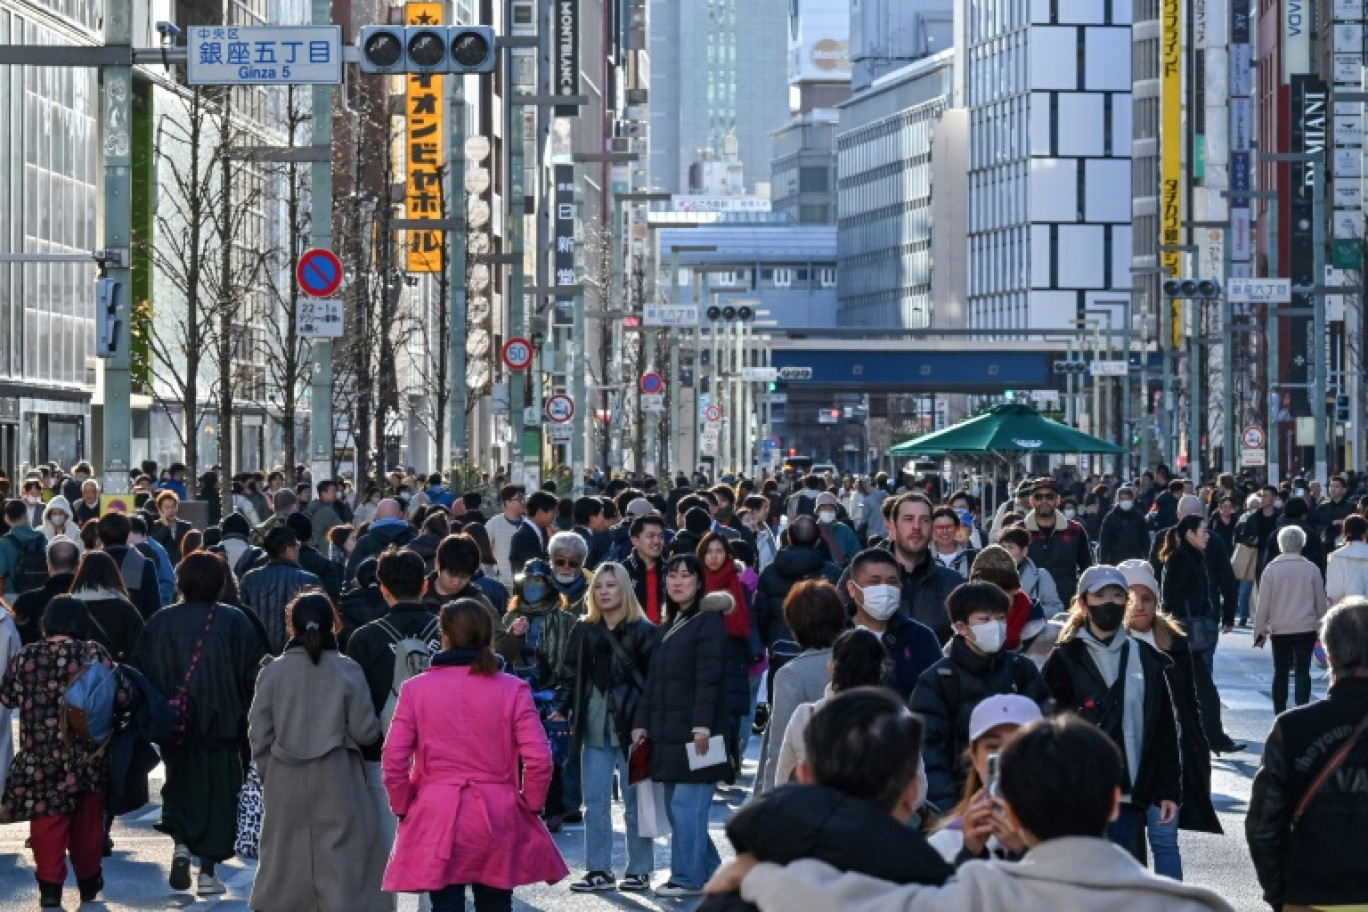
(1107, 616)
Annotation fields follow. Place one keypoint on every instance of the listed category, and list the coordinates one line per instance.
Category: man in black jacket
(862, 785)
(139, 574)
(1124, 534)
(796, 561)
(592, 525)
(1319, 862)
(269, 590)
(529, 542)
(388, 529)
(926, 584)
(644, 566)
(457, 562)
(1059, 546)
(311, 560)
(63, 557)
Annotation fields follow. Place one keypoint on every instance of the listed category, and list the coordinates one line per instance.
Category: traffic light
(431, 49)
(106, 309)
(1070, 367)
(1192, 289)
(1342, 409)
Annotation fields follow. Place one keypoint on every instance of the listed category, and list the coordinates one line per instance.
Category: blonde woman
(600, 686)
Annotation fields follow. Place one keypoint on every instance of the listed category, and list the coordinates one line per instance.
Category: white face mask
(57, 519)
(1126, 504)
(882, 601)
(827, 516)
(1277, 504)
(33, 500)
(1070, 514)
(989, 635)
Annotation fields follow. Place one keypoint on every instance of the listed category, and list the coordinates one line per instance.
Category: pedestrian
(1058, 782)
(485, 577)
(569, 555)
(722, 573)
(1308, 811)
(975, 666)
(976, 828)
(457, 562)
(139, 572)
(535, 631)
(320, 847)
(602, 681)
(23, 553)
(1291, 603)
(57, 518)
(466, 767)
(387, 530)
(644, 565)
(204, 654)
(1346, 573)
(169, 530)
(57, 781)
(946, 527)
(311, 560)
(268, 590)
(114, 623)
(1123, 535)
(839, 542)
(1093, 671)
(1059, 546)
(341, 542)
(1297, 513)
(1036, 583)
(685, 717)
(1145, 620)
(502, 528)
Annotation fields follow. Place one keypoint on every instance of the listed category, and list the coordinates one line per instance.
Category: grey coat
(803, 680)
(321, 844)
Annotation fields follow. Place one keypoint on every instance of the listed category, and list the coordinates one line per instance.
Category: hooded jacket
(71, 530)
(812, 821)
(382, 534)
(1347, 572)
(792, 565)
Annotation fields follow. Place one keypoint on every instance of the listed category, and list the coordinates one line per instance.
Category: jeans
(693, 857)
(598, 764)
(1246, 592)
(1292, 652)
(487, 899)
(1204, 633)
(572, 795)
(749, 720)
(1163, 841)
(1128, 831)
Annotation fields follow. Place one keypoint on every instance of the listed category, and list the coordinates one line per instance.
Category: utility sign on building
(264, 55)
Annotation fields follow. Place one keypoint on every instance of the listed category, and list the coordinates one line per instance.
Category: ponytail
(313, 623)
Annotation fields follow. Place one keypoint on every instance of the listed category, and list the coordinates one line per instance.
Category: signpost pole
(320, 236)
(456, 246)
(116, 100)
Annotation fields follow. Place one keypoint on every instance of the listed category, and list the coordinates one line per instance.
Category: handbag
(180, 703)
(250, 811)
(652, 820)
(1329, 770)
(1245, 562)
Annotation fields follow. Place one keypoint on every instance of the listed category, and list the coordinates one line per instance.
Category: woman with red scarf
(722, 573)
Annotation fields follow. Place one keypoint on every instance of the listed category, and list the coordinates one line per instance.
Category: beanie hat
(1189, 505)
(697, 521)
(236, 523)
(995, 565)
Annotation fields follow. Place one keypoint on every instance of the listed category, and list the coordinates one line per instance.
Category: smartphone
(992, 784)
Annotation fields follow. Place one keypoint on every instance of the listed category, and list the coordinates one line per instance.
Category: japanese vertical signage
(565, 78)
(1241, 141)
(1171, 147)
(423, 108)
(563, 237)
(1296, 38)
(1347, 133)
(1308, 121)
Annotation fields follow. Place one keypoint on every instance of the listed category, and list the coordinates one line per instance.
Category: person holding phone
(1291, 603)
(976, 827)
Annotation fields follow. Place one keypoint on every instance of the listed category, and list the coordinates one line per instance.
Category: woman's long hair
(314, 623)
(593, 614)
(97, 570)
(1174, 538)
(1165, 628)
(467, 625)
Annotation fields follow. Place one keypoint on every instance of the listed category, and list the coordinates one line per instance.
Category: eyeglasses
(1045, 496)
(573, 564)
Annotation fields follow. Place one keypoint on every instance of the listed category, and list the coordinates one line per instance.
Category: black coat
(169, 538)
(638, 572)
(1063, 551)
(791, 566)
(313, 561)
(375, 541)
(924, 591)
(1313, 550)
(1321, 863)
(1124, 536)
(269, 590)
(1222, 588)
(221, 689)
(1197, 813)
(811, 821)
(686, 688)
(144, 593)
(115, 624)
(945, 698)
(29, 607)
(527, 544)
(360, 606)
(1074, 679)
(1186, 586)
(588, 648)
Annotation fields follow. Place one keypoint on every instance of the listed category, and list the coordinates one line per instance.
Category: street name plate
(264, 55)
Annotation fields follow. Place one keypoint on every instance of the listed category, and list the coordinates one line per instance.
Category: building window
(783, 278)
(813, 180)
(826, 277)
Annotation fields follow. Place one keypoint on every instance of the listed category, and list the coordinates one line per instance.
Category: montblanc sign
(566, 75)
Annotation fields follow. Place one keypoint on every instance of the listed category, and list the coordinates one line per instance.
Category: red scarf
(725, 580)
(1017, 616)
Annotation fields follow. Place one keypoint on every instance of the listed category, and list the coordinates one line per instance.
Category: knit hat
(1139, 573)
(236, 523)
(639, 506)
(697, 521)
(995, 565)
(1190, 505)
(827, 499)
(301, 525)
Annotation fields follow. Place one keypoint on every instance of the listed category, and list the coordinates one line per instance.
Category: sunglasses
(1046, 496)
(566, 563)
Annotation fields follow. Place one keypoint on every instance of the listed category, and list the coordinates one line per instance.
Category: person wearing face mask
(57, 519)
(1120, 684)
(875, 590)
(974, 667)
(1124, 535)
(839, 542)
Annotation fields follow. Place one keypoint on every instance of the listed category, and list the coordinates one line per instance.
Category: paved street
(136, 874)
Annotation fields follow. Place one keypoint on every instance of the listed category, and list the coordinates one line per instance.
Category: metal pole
(116, 98)
(1195, 415)
(320, 236)
(1228, 462)
(1274, 433)
(1169, 410)
(517, 301)
(456, 244)
(1319, 333)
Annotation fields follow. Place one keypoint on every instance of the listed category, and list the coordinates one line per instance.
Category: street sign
(560, 409)
(319, 272)
(1252, 438)
(517, 353)
(264, 55)
(1107, 368)
(1259, 291)
(651, 382)
(1254, 458)
(319, 318)
(829, 416)
(761, 374)
(771, 443)
(652, 402)
(560, 433)
(670, 315)
(713, 414)
(795, 373)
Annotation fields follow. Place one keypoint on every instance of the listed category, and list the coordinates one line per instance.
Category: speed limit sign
(517, 353)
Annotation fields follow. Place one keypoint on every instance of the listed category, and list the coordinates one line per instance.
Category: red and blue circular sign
(517, 353)
(651, 383)
(319, 272)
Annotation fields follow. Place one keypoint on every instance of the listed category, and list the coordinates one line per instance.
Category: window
(813, 180)
(826, 277)
(783, 278)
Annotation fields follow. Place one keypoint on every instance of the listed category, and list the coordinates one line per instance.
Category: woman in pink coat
(452, 758)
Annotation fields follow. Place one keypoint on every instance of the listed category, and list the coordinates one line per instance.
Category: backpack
(131, 569)
(30, 563)
(86, 711)
(412, 656)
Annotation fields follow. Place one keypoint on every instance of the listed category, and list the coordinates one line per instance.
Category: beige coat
(1062, 874)
(1291, 596)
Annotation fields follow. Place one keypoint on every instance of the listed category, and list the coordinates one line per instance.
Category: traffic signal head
(1173, 288)
(1189, 288)
(1208, 288)
(744, 312)
(426, 49)
(382, 49)
(714, 313)
(472, 49)
(729, 313)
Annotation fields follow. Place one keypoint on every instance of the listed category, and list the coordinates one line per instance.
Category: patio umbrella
(1010, 428)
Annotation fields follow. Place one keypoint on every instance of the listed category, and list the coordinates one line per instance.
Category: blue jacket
(440, 494)
(166, 574)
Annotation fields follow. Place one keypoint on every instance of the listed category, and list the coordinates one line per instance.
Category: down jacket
(791, 566)
(269, 590)
(1347, 572)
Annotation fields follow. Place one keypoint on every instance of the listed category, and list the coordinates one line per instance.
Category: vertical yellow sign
(1171, 148)
(424, 112)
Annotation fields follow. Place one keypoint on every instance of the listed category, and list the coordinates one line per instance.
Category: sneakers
(635, 883)
(209, 885)
(594, 882)
(180, 869)
(90, 887)
(671, 889)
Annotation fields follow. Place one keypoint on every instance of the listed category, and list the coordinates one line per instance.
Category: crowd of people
(423, 685)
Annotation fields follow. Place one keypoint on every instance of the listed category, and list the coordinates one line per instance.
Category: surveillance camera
(168, 30)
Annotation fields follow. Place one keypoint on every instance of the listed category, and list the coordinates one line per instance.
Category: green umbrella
(1008, 428)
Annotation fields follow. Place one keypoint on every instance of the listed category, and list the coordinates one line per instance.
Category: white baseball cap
(1001, 709)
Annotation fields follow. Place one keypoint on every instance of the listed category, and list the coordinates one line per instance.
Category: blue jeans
(746, 723)
(487, 899)
(1246, 592)
(1163, 841)
(1127, 831)
(598, 764)
(693, 857)
(572, 794)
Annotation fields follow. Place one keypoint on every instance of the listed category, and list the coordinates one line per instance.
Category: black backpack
(30, 563)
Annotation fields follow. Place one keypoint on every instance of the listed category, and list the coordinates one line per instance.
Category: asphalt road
(136, 875)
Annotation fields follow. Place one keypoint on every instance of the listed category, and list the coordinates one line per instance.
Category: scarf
(573, 591)
(98, 595)
(1017, 616)
(737, 620)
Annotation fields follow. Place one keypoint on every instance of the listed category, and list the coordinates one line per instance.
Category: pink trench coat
(451, 770)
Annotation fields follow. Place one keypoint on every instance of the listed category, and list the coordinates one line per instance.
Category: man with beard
(926, 583)
(1059, 546)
